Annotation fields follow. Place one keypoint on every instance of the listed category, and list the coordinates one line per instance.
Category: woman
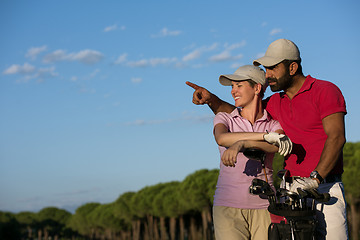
(237, 213)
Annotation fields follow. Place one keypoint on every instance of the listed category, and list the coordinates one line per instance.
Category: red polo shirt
(301, 119)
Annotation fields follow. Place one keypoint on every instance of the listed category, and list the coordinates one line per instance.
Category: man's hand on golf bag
(303, 183)
(282, 141)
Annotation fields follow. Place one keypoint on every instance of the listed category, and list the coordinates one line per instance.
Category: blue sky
(93, 100)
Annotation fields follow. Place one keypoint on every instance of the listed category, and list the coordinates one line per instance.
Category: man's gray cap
(278, 51)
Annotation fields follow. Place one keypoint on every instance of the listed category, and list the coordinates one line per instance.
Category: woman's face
(243, 93)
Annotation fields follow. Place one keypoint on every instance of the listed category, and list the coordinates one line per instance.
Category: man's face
(278, 77)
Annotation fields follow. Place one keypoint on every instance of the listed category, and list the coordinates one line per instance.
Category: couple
(310, 112)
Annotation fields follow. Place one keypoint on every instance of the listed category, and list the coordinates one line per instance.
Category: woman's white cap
(243, 73)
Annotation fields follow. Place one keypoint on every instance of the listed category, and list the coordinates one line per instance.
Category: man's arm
(203, 96)
(334, 127)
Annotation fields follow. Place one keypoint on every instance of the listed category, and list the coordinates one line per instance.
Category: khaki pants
(240, 224)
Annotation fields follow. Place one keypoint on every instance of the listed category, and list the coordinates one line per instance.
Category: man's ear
(293, 68)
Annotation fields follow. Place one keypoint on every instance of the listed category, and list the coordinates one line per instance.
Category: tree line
(174, 210)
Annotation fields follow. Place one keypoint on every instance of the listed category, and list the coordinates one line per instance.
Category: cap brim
(226, 79)
(267, 61)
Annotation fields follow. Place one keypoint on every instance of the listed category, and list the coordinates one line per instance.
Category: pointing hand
(201, 95)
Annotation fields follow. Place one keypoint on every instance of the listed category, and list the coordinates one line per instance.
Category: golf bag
(292, 213)
(291, 223)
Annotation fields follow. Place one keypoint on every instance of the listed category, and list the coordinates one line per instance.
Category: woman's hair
(252, 84)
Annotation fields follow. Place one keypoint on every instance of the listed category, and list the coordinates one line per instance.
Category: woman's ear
(258, 88)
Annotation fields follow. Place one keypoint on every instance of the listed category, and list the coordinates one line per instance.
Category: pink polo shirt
(232, 189)
(301, 118)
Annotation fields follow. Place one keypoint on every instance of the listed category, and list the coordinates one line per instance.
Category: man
(311, 112)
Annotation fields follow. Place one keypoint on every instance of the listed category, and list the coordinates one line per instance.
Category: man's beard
(282, 83)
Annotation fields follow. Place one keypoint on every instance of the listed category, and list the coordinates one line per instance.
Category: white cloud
(224, 56)
(185, 117)
(34, 51)
(166, 32)
(259, 55)
(191, 56)
(116, 104)
(235, 65)
(47, 72)
(121, 59)
(199, 65)
(163, 61)
(137, 122)
(89, 76)
(275, 31)
(30, 72)
(198, 52)
(235, 45)
(139, 63)
(142, 122)
(113, 28)
(15, 68)
(107, 95)
(173, 61)
(84, 89)
(236, 57)
(136, 80)
(57, 55)
(191, 46)
(86, 56)
(211, 47)
(153, 62)
(197, 118)
(110, 28)
(94, 73)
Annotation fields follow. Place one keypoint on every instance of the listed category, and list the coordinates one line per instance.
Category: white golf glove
(282, 141)
(303, 183)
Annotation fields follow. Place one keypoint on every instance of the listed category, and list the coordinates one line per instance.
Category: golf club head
(259, 186)
(255, 154)
(303, 193)
(320, 197)
(282, 192)
(256, 190)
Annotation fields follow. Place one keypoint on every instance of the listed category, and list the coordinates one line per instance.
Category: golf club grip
(326, 197)
(320, 197)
